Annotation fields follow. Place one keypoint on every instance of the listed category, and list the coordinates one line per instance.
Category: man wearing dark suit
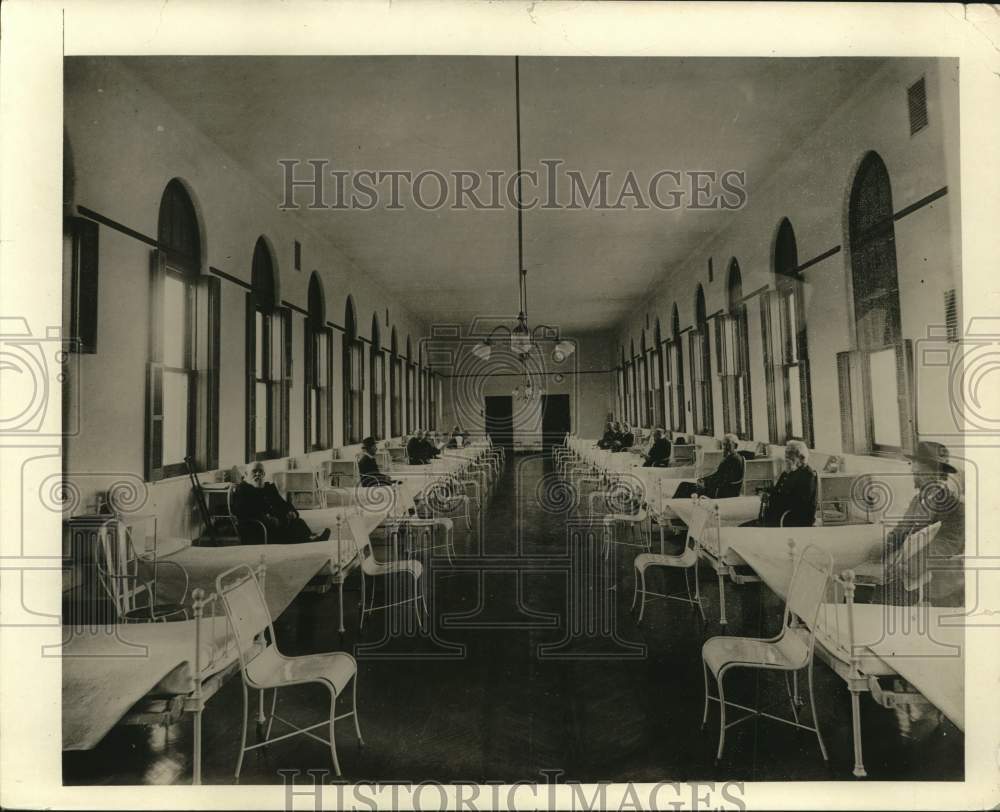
(625, 440)
(430, 448)
(415, 451)
(261, 502)
(659, 452)
(608, 439)
(371, 476)
(725, 482)
(792, 501)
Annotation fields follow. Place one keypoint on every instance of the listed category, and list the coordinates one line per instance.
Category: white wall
(811, 188)
(127, 143)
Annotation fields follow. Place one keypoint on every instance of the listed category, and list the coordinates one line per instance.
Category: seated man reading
(416, 453)
(262, 502)
(792, 500)
(659, 452)
(624, 440)
(725, 482)
(608, 438)
(371, 476)
(430, 447)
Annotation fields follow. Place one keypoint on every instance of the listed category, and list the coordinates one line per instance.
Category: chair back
(397, 454)
(683, 454)
(807, 592)
(118, 566)
(300, 487)
(362, 543)
(241, 591)
(908, 565)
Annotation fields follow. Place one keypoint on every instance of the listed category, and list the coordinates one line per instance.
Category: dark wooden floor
(532, 664)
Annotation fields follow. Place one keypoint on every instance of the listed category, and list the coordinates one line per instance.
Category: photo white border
(37, 34)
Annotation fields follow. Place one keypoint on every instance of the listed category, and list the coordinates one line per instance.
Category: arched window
(786, 352)
(645, 412)
(319, 371)
(182, 406)
(701, 367)
(378, 382)
(630, 380)
(620, 410)
(732, 348)
(354, 377)
(269, 361)
(395, 387)
(657, 378)
(678, 403)
(411, 388)
(881, 359)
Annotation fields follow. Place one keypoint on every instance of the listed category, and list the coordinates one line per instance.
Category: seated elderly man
(938, 499)
(658, 455)
(727, 479)
(608, 438)
(792, 500)
(416, 453)
(261, 502)
(431, 446)
(371, 476)
(624, 440)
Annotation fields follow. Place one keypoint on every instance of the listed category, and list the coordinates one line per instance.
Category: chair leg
(704, 670)
(722, 715)
(243, 736)
(270, 721)
(697, 590)
(791, 699)
(642, 605)
(333, 735)
(354, 702)
(812, 705)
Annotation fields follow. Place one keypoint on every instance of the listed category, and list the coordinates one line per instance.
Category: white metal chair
(626, 508)
(264, 667)
(903, 571)
(129, 581)
(686, 561)
(372, 568)
(790, 651)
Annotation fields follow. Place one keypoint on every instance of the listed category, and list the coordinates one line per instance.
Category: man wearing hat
(938, 499)
(371, 476)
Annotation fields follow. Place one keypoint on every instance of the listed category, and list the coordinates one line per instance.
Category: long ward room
(466, 418)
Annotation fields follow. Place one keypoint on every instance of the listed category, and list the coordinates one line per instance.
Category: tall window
(378, 383)
(354, 377)
(701, 367)
(182, 393)
(732, 341)
(269, 361)
(432, 395)
(657, 379)
(620, 407)
(411, 389)
(876, 377)
(642, 373)
(786, 352)
(425, 398)
(629, 390)
(319, 371)
(395, 388)
(678, 420)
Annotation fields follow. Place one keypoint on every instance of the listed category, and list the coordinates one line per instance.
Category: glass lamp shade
(563, 350)
(520, 340)
(482, 351)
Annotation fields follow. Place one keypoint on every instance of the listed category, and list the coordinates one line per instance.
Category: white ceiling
(586, 269)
